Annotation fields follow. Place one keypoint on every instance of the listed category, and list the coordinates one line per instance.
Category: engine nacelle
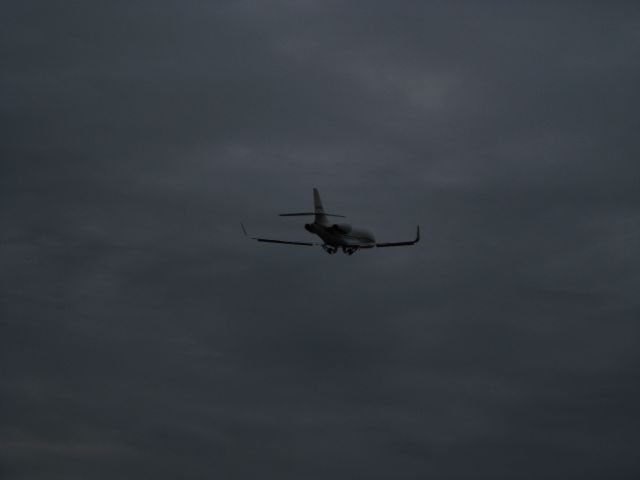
(341, 227)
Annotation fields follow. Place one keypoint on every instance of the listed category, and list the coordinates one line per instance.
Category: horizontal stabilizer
(304, 214)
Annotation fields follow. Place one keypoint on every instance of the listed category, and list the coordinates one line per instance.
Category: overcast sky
(143, 336)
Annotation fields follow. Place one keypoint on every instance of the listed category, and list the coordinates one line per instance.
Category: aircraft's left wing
(400, 244)
(270, 240)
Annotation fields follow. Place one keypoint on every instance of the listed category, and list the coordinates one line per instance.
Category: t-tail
(318, 211)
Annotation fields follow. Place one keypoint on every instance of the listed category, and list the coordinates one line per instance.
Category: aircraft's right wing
(400, 244)
(270, 240)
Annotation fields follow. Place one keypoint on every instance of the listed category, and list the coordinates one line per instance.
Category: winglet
(244, 229)
(417, 233)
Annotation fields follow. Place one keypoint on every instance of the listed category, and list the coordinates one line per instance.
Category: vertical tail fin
(317, 202)
(318, 208)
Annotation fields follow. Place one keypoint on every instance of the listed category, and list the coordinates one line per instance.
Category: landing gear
(329, 250)
(332, 250)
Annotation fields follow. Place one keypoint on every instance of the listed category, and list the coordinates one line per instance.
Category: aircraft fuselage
(342, 235)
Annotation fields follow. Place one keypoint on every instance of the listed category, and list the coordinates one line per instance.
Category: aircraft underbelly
(332, 239)
(353, 238)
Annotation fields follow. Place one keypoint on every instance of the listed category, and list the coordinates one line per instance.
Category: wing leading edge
(401, 244)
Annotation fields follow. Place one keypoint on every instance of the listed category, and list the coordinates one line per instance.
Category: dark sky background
(142, 336)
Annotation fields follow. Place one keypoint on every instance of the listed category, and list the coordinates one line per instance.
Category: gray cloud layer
(143, 336)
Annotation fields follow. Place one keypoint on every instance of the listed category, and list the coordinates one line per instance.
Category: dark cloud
(143, 336)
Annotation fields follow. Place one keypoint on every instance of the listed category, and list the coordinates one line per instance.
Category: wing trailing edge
(271, 240)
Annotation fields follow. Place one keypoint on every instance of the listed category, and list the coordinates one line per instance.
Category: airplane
(334, 235)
